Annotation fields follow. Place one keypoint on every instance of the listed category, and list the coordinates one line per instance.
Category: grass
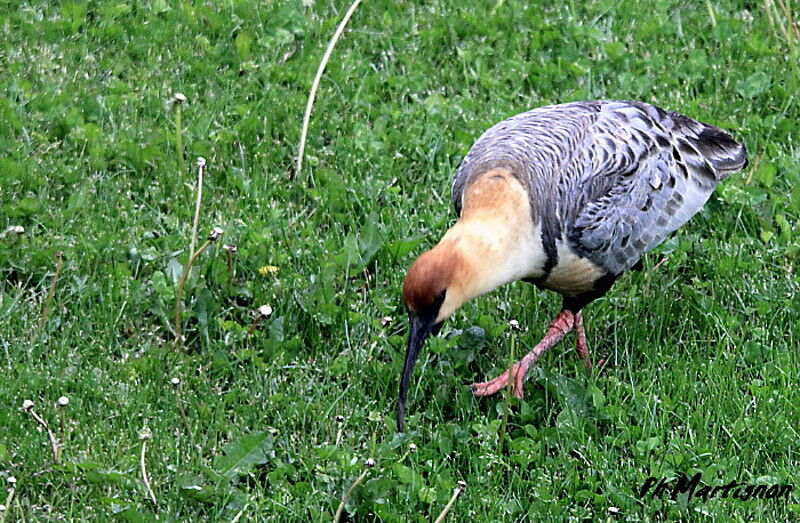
(703, 367)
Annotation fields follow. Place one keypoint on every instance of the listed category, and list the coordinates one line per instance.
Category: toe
(488, 388)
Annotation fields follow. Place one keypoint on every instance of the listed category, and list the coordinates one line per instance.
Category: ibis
(567, 197)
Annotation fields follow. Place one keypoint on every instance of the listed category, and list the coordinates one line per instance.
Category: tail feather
(725, 154)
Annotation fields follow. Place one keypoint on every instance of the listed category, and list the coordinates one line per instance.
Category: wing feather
(651, 171)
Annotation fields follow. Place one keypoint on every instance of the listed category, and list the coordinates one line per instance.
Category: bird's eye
(439, 299)
(431, 311)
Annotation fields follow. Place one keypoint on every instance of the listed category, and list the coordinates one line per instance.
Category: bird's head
(432, 291)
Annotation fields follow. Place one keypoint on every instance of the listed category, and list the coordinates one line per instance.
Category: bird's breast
(572, 274)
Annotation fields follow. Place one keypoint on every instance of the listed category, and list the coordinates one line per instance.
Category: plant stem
(51, 292)
(254, 325)
(179, 292)
(201, 164)
(346, 496)
(179, 137)
(63, 424)
(507, 396)
(54, 445)
(182, 410)
(230, 265)
(449, 505)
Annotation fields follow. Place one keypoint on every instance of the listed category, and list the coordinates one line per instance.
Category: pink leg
(657, 265)
(581, 346)
(562, 324)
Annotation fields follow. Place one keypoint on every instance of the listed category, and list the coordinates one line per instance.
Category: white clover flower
(175, 382)
(462, 484)
(514, 324)
(179, 98)
(17, 229)
(27, 405)
(12, 480)
(264, 310)
(201, 162)
(412, 448)
(145, 434)
(63, 401)
(386, 320)
(370, 462)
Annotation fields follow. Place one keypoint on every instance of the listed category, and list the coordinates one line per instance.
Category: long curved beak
(418, 331)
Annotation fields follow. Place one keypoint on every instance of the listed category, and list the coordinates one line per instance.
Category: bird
(567, 197)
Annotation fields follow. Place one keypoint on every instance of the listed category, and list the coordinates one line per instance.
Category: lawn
(273, 417)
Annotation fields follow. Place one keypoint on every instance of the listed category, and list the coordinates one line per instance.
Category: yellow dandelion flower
(267, 269)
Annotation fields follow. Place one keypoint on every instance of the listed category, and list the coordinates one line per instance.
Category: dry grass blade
(145, 436)
(784, 20)
(791, 21)
(313, 93)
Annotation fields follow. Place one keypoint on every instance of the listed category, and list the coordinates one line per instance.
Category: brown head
(427, 281)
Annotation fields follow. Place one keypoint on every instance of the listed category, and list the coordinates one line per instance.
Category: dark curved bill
(418, 331)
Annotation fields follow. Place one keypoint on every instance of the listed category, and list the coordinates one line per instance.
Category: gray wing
(644, 173)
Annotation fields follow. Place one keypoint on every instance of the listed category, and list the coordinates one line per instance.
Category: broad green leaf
(174, 269)
(242, 454)
(766, 174)
(473, 338)
(243, 44)
(754, 85)
(369, 241)
(400, 248)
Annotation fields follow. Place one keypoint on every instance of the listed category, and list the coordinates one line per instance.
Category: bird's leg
(562, 324)
(581, 346)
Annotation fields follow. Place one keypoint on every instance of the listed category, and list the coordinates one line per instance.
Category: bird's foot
(487, 388)
(562, 324)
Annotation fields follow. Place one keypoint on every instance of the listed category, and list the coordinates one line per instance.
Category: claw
(487, 388)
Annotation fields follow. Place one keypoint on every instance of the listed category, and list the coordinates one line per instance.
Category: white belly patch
(572, 274)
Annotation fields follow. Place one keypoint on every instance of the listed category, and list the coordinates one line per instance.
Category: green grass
(703, 359)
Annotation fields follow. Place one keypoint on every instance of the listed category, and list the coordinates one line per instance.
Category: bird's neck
(496, 240)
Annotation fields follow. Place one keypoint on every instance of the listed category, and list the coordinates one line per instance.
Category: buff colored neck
(493, 243)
